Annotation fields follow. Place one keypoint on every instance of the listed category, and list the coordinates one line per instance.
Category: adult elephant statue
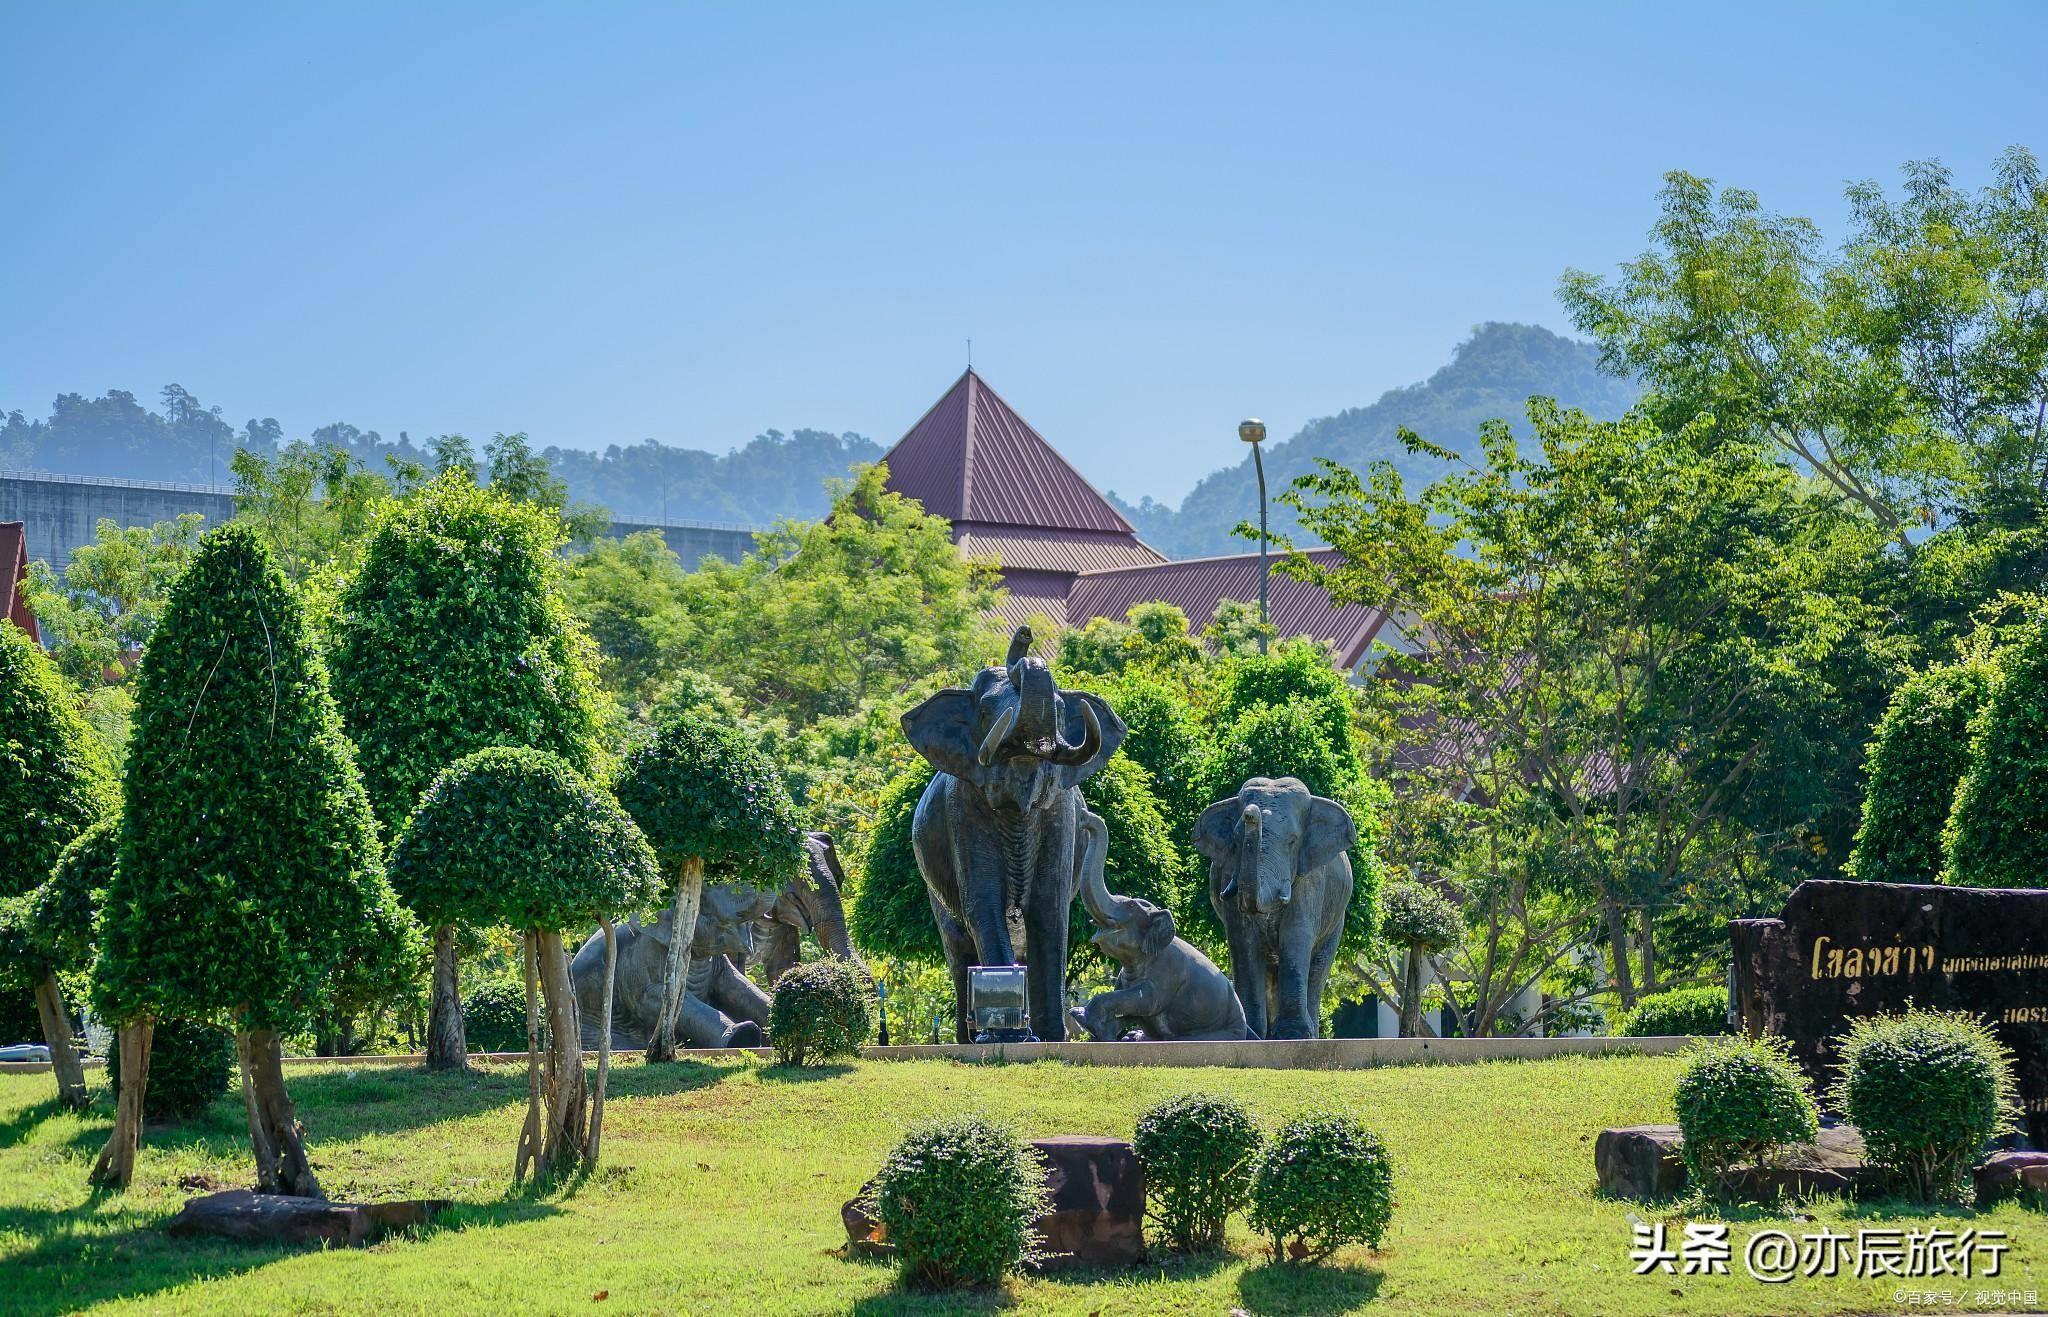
(721, 1007)
(809, 904)
(1280, 881)
(997, 832)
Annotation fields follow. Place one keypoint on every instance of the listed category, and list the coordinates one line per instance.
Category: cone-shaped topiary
(708, 802)
(1917, 755)
(249, 865)
(454, 636)
(516, 836)
(1997, 834)
(55, 782)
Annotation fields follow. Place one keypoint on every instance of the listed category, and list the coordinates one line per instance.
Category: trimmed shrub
(1323, 1181)
(190, 1065)
(1918, 754)
(1681, 1012)
(1416, 915)
(1296, 671)
(1927, 1090)
(1279, 740)
(703, 792)
(1197, 1151)
(55, 778)
(494, 1017)
(1997, 834)
(957, 1198)
(1738, 1100)
(823, 1010)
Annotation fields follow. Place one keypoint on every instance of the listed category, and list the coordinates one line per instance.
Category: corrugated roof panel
(1054, 550)
(1197, 585)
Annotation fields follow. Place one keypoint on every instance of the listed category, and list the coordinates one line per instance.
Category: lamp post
(1253, 431)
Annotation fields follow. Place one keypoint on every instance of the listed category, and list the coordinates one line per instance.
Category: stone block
(1640, 1161)
(1097, 1189)
(2013, 1175)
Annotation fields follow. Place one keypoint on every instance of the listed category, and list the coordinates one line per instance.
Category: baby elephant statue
(1166, 990)
(721, 1007)
(1280, 880)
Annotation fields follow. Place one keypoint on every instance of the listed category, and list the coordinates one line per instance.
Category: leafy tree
(1418, 922)
(1295, 670)
(1997, 834)
(632, 595)
(1917, 755)
(1164, 738)
(106, 602)
(249, 865)
(524, 476)
(1154, 637)
(454, 635)
(510, 835)
(55, 781)
(47, 931)
(707, 800)
(313, 506)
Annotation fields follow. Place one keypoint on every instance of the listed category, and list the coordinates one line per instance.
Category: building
(14, 579)
(1065, 551)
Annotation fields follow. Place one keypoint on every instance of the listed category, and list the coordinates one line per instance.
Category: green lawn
(722, 1183)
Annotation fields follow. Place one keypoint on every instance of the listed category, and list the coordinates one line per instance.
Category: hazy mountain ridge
(1491, 374)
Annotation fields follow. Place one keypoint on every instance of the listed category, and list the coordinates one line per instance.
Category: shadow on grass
(800, 1074)
(899, 1300)
(15, 1129)
(1287, 1289)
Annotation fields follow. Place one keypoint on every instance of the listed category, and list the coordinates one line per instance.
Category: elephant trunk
(1037, 705)
(1105, 908)
(1248, 846)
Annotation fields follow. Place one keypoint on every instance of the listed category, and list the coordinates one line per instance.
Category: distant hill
(773, 475)
(1492, 374)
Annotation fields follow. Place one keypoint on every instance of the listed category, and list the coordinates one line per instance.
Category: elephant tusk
(1091, 740)
(992, 744)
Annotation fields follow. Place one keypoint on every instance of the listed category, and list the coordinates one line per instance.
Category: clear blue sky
(603, 222)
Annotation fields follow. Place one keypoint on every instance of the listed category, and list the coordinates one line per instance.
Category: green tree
(524, 476)
(313, 506)
(47, 932)
(515, 836)
(1154, 637)
(108, 599)
(249, 865)
(454, 635)
(1296, 670)
(1997, 834)
(1917, 755)
(1163, 736)
(632, 596)
(707, 800)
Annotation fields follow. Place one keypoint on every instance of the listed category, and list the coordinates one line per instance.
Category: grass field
(722, 1182)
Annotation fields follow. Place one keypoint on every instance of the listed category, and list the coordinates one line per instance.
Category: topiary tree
(249, 865)
(1163, 737)
(1418, 920)
(1738, 1100)
(707, 799)
(1197, 1151)
(515, 836)
(454, 636)
(1918, 754)
(55, 782)
(1997, 833)
(49, 930)
(1927, 1090)
(822, 1010)
(1323, 1181)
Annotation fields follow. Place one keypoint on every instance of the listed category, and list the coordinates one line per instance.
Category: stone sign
(1844, 949)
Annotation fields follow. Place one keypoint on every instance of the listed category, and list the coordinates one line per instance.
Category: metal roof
(972, 458)
(1054, 550)
(14, 578)
(1197, 585)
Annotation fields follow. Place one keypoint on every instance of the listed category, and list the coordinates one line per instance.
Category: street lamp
(1253, 431)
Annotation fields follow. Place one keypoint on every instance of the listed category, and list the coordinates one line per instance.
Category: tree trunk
(116, 1164)
(568, 1113)
(683, 927)
(1411, 994)
(529, 1137)
(64, 1061)
(1646, 929)
(1617, 945)
(446, 1049)
(274, 1134)
(604, 1048)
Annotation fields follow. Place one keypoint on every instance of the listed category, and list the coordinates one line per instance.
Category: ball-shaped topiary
(1997, 834)
(55, 778)
(957, 1198)
(1415, 916)
(1738, 1100)
(1681, 1012)
(1323, 1181)
(823, 1010)
(494, 1016)
(1197, 1151)
(1917, 755)
(190, 1064)
(703, 793)
(1927, 1090)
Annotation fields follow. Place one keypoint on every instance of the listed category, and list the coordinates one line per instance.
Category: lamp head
(1252, 430)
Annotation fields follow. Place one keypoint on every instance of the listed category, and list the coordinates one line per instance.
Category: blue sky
(603, 222)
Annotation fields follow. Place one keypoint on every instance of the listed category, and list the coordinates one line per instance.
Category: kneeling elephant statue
(721, 1007)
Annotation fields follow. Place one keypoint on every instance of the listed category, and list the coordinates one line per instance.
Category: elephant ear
(1159, 932)
(942, 730)
(1330, 833)
(1216, 830)
(1073, 727)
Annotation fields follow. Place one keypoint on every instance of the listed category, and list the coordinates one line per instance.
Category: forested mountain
(1493, 374)
(773, 475)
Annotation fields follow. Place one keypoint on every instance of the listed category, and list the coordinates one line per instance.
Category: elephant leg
(959, 958)
(700, 1024)
(1045, 978)
(1248, 969)
(737, 995)
(1318, 979)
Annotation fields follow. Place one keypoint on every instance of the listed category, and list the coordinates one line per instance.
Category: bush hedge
(1197, 1151)
(494, 1017)
(1917, 756)
(1738, 1099)
(957, 1198)
(823, 1010)
(1927, 1090)
(1997, 834)
(1323, 1181)
(1681, 1012)
(190, 1065)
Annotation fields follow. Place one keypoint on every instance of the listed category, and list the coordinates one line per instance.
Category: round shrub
(1927, 1089)
(1197, 1152)
(822, 1011)
(494, 1017)
(1323, 1182)
(1279, 740)
(1738, 1099)
(957, 1198)
(1681, 1012)
(1918, 753)
(190, 1064)
(1416, 915)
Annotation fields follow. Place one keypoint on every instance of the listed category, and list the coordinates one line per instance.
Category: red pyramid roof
(14, 578)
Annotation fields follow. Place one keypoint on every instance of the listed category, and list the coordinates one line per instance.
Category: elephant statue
(996, 834)
(809, 904)
(1166, 989)
(721, 1007)
(1280, 881)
